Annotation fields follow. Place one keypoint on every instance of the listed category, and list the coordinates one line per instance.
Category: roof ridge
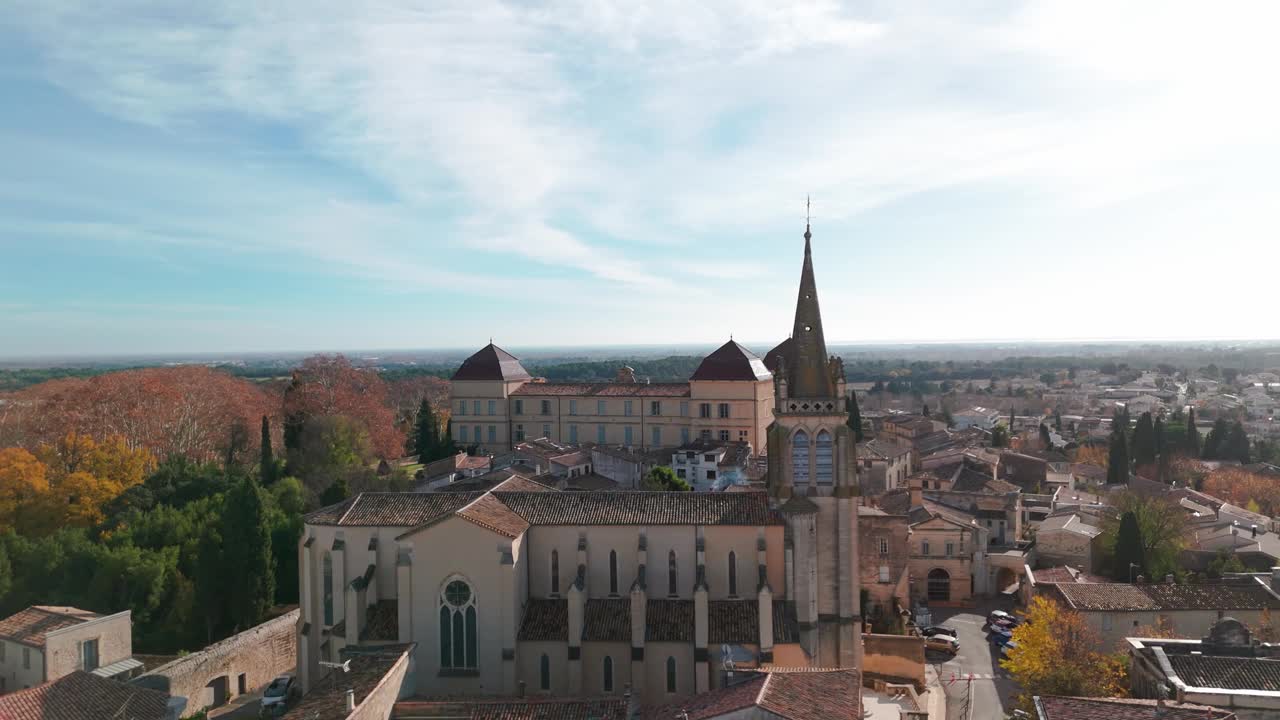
(764, 687)
(350, 507)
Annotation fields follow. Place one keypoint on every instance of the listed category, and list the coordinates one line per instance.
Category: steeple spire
(809, 376)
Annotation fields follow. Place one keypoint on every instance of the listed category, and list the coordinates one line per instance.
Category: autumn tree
(329, 386)
(331, 447)
(1056, 653)
(1240, 487)
(1093, 455)
(1162, 526)
(23, 481)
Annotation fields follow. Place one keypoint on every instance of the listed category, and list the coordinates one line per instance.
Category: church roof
(731, 361)
(492, 363)
(773, 359)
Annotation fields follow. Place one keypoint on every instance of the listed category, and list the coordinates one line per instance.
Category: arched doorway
(939, 585)
(1006, 580)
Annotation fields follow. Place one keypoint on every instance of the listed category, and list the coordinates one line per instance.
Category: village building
(46, 642)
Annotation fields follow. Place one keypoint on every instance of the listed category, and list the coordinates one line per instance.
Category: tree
(1162, 525)
(1143, 447)
(336, 492)
(23, 480)
(1057, 421)
(427, 434)
(1055, 654)
(1225, 562)
(6, 572)
(855, 417)
(925, 410)
(331, 447)
(248, 558)
(664, 478)
(999, 436)
(1118, 459)
(1214, 441)
(1236, 445)
(329, 385)
(266, 461)
(1130, 558)
(1046, 440)
(1093, 455)
(1191, 444)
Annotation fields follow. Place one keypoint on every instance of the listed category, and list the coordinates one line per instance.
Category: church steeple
(808, 375)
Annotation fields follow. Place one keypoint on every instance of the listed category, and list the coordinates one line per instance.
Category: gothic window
(822, 456)
(613, 572)
(800, 459)
(544, 672)
(671, 674)
(608, 674)
(457, 626)
(328, 588)
(733, 573)
(671, 573)
(555, 572)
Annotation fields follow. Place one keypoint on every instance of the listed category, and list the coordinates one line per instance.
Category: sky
(382, 174)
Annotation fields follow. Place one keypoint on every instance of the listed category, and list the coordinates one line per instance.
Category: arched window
(327, 564)
(800, 459)
(544, 672)
(613, 572)
(555, 573)
(733, 573)
(822, 457)
(671, 674)
(671, 574)
(608, 674)
(457, 625)
(939, 584)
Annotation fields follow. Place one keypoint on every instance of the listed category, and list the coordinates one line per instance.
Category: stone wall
(378, 703)
(212, 676)
(894, 658)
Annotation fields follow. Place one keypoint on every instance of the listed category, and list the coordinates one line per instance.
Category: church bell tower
(812, 477)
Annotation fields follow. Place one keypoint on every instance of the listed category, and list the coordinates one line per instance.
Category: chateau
(524, 588)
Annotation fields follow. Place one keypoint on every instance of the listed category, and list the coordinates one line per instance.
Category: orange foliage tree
(1057, 653)
(1241, 487)
(192, 411)
(23, 481)
(329, 385)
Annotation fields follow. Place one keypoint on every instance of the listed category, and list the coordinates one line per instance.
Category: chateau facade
(496, 403)
(524, 588)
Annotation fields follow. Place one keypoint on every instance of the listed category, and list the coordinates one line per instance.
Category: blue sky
(236, 176)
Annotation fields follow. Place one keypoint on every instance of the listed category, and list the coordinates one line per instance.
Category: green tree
(855, 417)
(267, 460)
(1045, 439)
(336, 492)
(1191, 444)
(1129, 550)
(1214, 441)
(426, 434)
(925, 410)
(1225, 562)
(210, 583)
(449, 447)
(6, 572)
(1118, 459)
(1162, 526)
(1236, 445)
(664, 478)
(1143, 446)
(248, 558)
(999, 436)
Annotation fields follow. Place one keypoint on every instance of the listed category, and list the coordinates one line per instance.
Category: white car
(278, 692)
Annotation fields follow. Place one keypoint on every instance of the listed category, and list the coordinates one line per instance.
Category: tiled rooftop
(669, 621)
(84, 696)
(1076, 708)
(643, 508)
(404, 509)
(491, 363)
(30, 626)
(731, 361)
(326, 701)
(607, 620)
(488, 511)
(1227, 673)
(544, 620)
(1107, 596)
(602, 389)
(1168, 596)
(513, 709)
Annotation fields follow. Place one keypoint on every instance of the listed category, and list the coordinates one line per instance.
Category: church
(525, 589)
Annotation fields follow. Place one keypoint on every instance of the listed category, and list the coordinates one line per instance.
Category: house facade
(46, 642)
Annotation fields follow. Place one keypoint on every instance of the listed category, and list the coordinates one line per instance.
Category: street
(976, 687)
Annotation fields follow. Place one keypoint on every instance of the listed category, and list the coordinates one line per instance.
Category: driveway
(975, 685)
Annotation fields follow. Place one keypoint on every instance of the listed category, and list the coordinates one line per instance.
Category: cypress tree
(267, 463)
(427, 434)
(248, 558)
(1191, 444)
(1118, 462)
(855, 417)
(1045, 438)
(925, 411)
(336, 492)
(1214, 441)
(1129, 550)
(1236, 445)
(1143, 448)
(448, 446)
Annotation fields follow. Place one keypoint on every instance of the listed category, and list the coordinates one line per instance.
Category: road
(981, 690)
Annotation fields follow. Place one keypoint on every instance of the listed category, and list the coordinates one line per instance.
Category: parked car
(938, 630)
(1000, 636)
(1005, 648)
(997, 616)
(277, 694)
(942, 643)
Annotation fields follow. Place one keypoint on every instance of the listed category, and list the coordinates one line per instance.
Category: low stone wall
(378, 703)
(212, 676)
(893, 658)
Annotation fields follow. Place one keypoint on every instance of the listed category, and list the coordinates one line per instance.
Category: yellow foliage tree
(23, 481)
(84, 475)
(1057, 653)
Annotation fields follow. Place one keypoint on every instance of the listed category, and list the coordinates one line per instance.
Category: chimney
(520, 689)
(1254, 529)
(1275, 580)
(351, 700)
(917, 493)
(1168, 579)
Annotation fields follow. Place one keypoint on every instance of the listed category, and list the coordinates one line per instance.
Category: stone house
(1068, 538)
(884, 564)
(46, 642)
(882, 465)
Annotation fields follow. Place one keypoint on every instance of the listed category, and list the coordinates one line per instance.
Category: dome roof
(492, 363)
(731, 361)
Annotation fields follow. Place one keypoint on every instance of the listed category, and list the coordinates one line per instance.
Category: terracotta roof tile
(1213, 596)
(669, 621)
(382, 621)
(643, 508)
(84, 696)
(786, 628)
(545, 619)
(1077, 708)
(514, 709)
(368, 666)
(607, 620)
(833, 695)
(733, 621)
(520, 483)
(1227, 673)
(30, 626)
(1106, 596)
(489, 512)
(713, 704)
(491, 363)
(605, 389)
(403, 509)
